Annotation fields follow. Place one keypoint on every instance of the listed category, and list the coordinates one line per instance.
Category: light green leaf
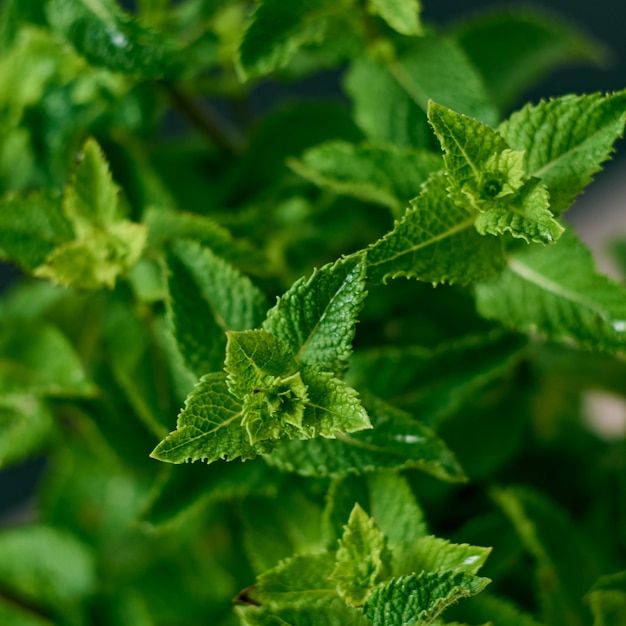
(435, 242)
(13, 15)
(565, 567)
(39, 360)
(382, 108)
(566, 140)
(396, 441)
(382, 174)
(363, 559)
(207, 297)
(263, 374)
(316, 318)
(607, 600)
(435, 68)
(209, 427)
(556, 292)
(420, 598)
(432, 554)
(515, 48)
(31, 226)
(402, 15)
(278, 30)
(103, 33)
(26, 424)
(488, 177)
(296, 582)
(105, 245)
(386, 496)
(47, 566)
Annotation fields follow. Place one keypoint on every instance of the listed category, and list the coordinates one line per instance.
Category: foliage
(331, 360)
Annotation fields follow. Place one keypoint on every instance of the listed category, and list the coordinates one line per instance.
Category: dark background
(603, 20)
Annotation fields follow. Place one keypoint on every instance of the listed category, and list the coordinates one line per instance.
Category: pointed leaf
(420, 598)
(106, 35)
(487, 176)
(316, 318)
(362, 560)
(435, 68)
(278, 30)
(514, 49)
(396, 441)
(401, 15)
(209, 427)
(566, 140)
(556, 292)
(207, 297)
(435, 242)
(381, 174)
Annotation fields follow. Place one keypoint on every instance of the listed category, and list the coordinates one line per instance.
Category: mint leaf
(209, 427)
(401, 15)
(25, 427)
(31, 227)
(435, 242)
(557, 293)
(107, 36)
(382, 174)
(12, 614)
(328, 612)
(396, 441)
(561, 149)
(498, 611)
(263, 374)
(488, 177)
(420, 598)
(277, 31)
(104, 245)
(565, 567)
(382, 108)
(316, 318)
(207, 297)
(516, 48)
(432, 554)
(362, 559)
(435, 68)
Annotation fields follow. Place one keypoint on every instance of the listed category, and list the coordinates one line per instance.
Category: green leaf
(26, 424)
(209, 427)
(386, 496)
(46, 566)
(13, 15)
(363, 559)
(435, 383)
(566, 140)
(382, 174)
(105, 245)
(31, 227)
(382, 108)
(420, 598)
(296, 582)
(487, 176)
(556, 292)
(515, 49)
(607, 600)
(109, 37)
(316, 318)
(435, 68)
(435, 242)
(498, 611)
(277, 31)
(264, 376)
(15, 615)
(207, 297)
(565, 567)
(432, 554)
(396, 441)
(39, 360)
(402, 15)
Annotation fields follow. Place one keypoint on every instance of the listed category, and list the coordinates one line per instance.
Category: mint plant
(328, 363)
